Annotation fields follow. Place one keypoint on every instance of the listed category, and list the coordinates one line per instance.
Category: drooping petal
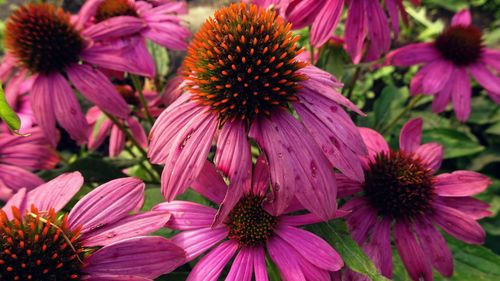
(304, 172)
(259, 264)
(411, 135)
(326, 21)
(431, 154)
(379, 247)
(473, 207)
(210, 183)
(43, 106)
(492, 58)
(379, 33)
(442, 99)
(435, 247)
(106, 204)
(87, 11)
(210, 266)
(187, 215)
(138, 132)
(177, 39)
(461, 94)
(437, 75)
(346, 186)
(56, 193)
(149, 256)
(132, 226)
(361, 220)
(116, 141)
(242, 267)
(413, 54)
(458, 224)
(461, 183)
(314, 249)
(196, 242)
(411, 252)
(487, 79)
(261, 177)
(16, 177)
(463, 18)
(97, 88)
(114, 27)
(356, 29)
(289, 267)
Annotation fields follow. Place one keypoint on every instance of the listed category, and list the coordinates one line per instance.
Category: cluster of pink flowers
(282, 146)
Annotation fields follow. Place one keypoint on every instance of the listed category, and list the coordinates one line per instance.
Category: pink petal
(314, 249)
(97, 88)
(411, 252)
(116, 141)
(346, 186)
(356, 29)
(463, 18)
(461, 94)
(210, 266)
(138, 132)
(473, 207)
(210, 183)
(300, 220)
(492, 58)
(196, 242)
(233, 196)
(413, 54)
(106, 204)
(261, 176)
(436, 76)
(461, 183)
(304, 172)
(242, 267)
(177, 39)
(101, 277)
(375, 143)
(442, 99)
(147, 257)
(411, 135)
(362, 218)
(259, 263)
(43, 106)
(458, 224)
(16, 177)
(56, 193)
(326, 21)
(392, 10)
(435, 247)
(431, 154)
(18, 200)
(378, 28)
(187, 215)
(379, 247)
(115, 27)
(87, 11)
(484, 77)
(132, 226)
(279, 251)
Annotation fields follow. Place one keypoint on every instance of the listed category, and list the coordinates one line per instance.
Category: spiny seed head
(42, 38)
(242, 63)
(114, 8)
(399, 185)
(249, 223)
(462, 45)
(39, 247)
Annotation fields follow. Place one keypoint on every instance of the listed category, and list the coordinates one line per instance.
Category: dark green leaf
(456, 144)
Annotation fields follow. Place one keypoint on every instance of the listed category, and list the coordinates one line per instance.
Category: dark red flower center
(42, 38)
(399, 185)
(242, 63)
(39, 247)
(461, 45)
(114, 8)
(249, 223)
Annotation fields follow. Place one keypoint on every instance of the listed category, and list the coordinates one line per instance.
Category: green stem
(127, 134)
(152, 174)
(354, 79)
(137, 85)
(414, 100)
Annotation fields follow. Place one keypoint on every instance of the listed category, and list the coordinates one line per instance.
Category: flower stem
(152, 174)
(414, 100)
(127, 133)
(138, 86)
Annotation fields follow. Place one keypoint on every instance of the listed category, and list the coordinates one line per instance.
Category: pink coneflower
(41, 244)
(458, 50)
(47, 47)
(243, 81)
(367, 28)
(400, 191)
(248, 232)
(19, 157)
(160, 24)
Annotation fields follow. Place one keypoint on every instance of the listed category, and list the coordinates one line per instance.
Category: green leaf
(333, 59)
(456, 144)
(8, 115)
(336, 233)
(272, 270)
(382, 105)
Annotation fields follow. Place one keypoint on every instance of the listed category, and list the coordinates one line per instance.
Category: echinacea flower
(20, 156)
(96, 240)
(367, 28)
(401, 192)
(160, 23)
(47, 46)
(242, 80)
(447, 62)
(248, 233)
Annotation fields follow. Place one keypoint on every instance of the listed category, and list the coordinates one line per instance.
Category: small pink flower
(447, 61)
(401, 191)
(244, 82)
(65, 246)
(48, 46)
(248, 232)
(19, 157)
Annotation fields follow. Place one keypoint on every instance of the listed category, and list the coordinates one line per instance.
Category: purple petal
(279, 251)
(411, 135)
(378, 28)
(362, 219)
(210, 184)
(413, 54)
(473, 207)
(326, 21)
(492, 58)
(242, 267)
(487, 79)
(458, 224)
(379, 247)
(103, 277)
(132, 226)
(442, 99)
(43, 106)
(15, 177)
(115, 27)
(431, 154)
(435, 247)
(147, 257)
(116, 141)
(106, 204)
(437, 75)
(177, 39)
(210, 266)
(461, 94)
(196, 242)
(375, 143)
(187, 215)
(261, 176)
(259, 263)
(356, 29)
(411, 252)
(18, 200)
(461, 183)
(346, 186)
(462, 18)
(97, 88)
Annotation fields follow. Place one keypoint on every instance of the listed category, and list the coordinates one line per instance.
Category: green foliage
(8, 115)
